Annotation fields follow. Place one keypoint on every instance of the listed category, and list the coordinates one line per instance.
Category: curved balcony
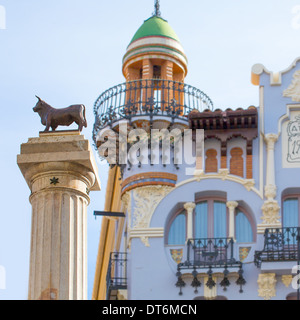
(211, 254)
(153, 97)
(280, 245)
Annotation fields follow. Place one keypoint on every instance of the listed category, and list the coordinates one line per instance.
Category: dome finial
(157, 7)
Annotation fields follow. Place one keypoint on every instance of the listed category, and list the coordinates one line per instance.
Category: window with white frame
(210, 220)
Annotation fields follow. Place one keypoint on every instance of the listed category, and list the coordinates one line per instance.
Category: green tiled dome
(155, 26)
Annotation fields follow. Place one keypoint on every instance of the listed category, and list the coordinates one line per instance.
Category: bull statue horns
(39, 98)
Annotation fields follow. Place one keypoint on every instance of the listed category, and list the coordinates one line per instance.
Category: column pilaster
(270, 208)
(231, 205)
(189, 207)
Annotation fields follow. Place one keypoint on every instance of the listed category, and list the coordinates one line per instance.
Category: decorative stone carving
(144, 234)
(223, 173)
(146, 200)
(198, 174)
(271, 139)
(249, 184)
(270, 191)
(267, 285)
(126, 199)
(287, 280)
(293, 91)
(231, 205)
(145, 241)
(294, 141)
(270, 211)
(189, 206)
(290, 138)
(270, 208)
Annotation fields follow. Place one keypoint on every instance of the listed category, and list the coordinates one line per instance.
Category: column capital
(232, 204)
(58, 153)
(271, 139)
(189, 206)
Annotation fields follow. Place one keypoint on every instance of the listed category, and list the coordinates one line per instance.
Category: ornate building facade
(225, 226)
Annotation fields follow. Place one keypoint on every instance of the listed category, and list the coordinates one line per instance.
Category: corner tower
(155, 52)
(153, 97)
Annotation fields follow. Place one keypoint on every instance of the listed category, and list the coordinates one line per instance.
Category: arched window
(243, 229)
(177, 232)
(211, 161)
(210, 219)
(291, 211)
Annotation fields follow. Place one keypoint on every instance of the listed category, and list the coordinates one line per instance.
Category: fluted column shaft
(60, 173)
(58, 264)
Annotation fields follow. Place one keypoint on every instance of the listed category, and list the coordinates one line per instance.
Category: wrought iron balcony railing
(210, 253)
(116, 278)
(205, 252)
(280, 244)
(152, 97)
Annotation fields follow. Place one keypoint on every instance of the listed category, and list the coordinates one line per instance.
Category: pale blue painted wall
(151, 270)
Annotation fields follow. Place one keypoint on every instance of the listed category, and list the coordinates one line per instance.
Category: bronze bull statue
(52, 118)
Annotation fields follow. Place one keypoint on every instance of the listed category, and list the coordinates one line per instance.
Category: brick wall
(211, 161)
(237, 162)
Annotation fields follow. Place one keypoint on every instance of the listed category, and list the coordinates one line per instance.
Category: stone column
(231, 205)
(60, 171)
(270, 208)
(189, 207)
(270, 188)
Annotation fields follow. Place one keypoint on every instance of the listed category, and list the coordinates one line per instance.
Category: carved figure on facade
(293, 91)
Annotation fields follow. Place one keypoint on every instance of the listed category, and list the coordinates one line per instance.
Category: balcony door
(210, 219)
(291, 212)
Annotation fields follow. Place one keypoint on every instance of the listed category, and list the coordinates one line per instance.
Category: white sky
(70, 51)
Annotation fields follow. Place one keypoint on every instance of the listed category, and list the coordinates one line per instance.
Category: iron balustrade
(210, 253)
(151, 97)
(204, 252)
(116, 278)
(280, 244)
